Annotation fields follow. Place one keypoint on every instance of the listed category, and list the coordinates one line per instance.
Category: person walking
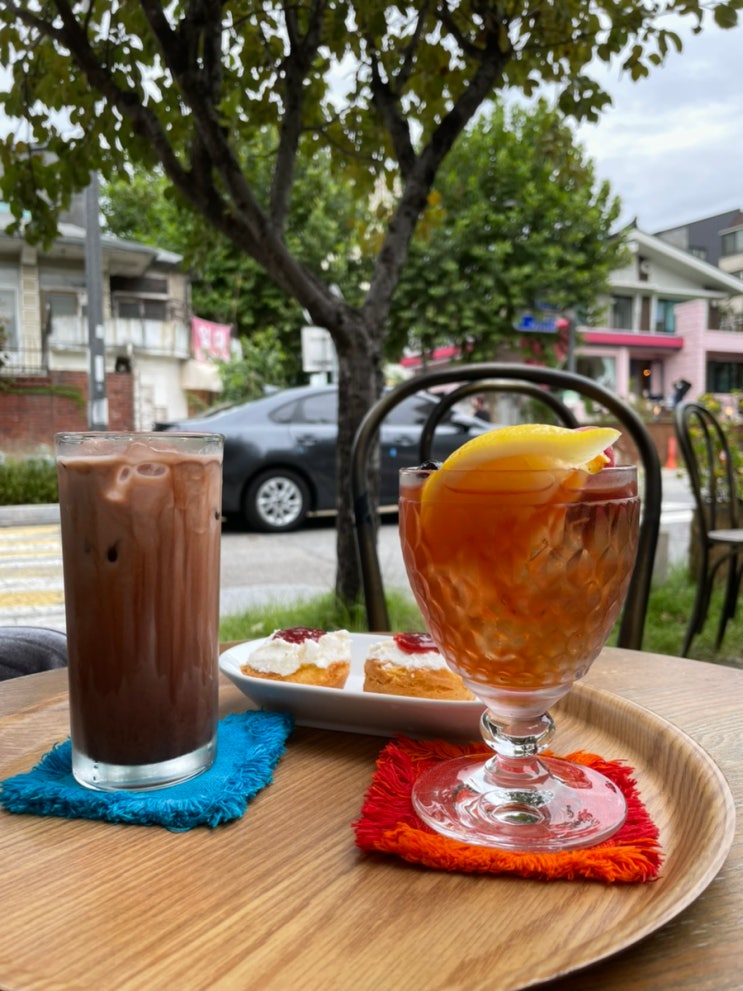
(480, 410)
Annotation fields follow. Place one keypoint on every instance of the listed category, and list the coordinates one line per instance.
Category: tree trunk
(359, 385)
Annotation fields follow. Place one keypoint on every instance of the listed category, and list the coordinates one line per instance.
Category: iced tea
(520, 575)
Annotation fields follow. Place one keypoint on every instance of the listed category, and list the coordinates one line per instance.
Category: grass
(668, 610)
(321, 612)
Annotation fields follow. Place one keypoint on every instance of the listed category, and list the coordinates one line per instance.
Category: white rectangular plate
(351, 709)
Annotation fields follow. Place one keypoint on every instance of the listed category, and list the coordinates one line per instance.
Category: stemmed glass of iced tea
(520, 564)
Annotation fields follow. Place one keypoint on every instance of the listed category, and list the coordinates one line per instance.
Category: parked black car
(279, 452)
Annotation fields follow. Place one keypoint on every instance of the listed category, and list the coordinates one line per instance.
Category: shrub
(28, 480)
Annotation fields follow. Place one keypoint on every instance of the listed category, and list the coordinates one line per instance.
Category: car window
(285, 413)
(413, 412)
(322, 408)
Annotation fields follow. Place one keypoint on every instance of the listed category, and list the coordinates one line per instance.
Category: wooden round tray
(574, 924)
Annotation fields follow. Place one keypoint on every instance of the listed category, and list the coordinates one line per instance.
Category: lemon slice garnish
(535, 446)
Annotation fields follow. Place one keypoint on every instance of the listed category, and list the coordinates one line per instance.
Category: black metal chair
(29, 650)
(706, 454)
(530, 390)
(539, 384)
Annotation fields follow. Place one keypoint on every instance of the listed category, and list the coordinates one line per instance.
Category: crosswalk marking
(28, 568)
(13, 553)
(37, 531)
(31, 580)
(32, 597)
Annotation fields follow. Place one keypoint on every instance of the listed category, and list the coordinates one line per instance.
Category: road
(256, 568)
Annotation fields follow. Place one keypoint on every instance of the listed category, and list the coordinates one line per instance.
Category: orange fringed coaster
(389, 824)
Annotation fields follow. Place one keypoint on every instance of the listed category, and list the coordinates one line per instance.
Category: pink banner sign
(210, 340)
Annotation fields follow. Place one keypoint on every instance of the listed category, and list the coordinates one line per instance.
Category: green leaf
(725, 16)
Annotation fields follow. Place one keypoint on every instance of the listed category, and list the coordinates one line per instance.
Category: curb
(29, 515)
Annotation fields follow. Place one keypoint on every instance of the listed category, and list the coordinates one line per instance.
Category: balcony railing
(164, 337)
(27, 362)
(732, 322)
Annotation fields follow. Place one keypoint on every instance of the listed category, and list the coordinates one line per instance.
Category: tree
(263, 362)
(183, 84)
(519, 223)
(227, 285)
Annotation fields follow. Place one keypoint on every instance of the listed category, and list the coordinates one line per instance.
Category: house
(717, 239)
(149, 333)
(670, 316)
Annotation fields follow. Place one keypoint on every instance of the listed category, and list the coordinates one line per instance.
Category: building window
(62, 304)
(665, 317)
(141, 309)
(8, 319)
(724, 376)
(621, 313)
(732, 242)
(600, 369)
(140, 286)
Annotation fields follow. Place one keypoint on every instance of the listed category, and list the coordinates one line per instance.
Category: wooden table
(283, 899)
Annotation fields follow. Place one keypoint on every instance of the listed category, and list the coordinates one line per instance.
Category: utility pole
(565, 327)
(97, 401)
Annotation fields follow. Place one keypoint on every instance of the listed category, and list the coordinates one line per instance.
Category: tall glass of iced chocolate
(141, 523)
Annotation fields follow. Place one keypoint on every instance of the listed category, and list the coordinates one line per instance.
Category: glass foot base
(557, 806)
(142, 777)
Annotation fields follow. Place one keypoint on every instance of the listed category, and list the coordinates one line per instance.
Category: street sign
(318, 350)
(538, 325)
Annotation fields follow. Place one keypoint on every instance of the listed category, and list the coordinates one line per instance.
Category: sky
(671, 145)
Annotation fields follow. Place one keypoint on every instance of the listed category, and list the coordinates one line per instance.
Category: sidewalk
(29, 515)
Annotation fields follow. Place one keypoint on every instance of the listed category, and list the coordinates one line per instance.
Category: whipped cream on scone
(389, 652)
(302, 655)
(410, 664)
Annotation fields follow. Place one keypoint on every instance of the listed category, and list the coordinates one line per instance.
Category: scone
(410, 664)
(304, 656)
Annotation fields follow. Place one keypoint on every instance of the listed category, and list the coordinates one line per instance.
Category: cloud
(672, 144)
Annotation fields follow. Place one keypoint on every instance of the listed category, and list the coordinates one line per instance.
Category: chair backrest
(30, 649)
(706, 453)
(529, 389)
(492, 376)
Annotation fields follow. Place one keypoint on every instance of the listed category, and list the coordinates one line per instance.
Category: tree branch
(411, 50)
(243, 221)
(386, 95)
(387, 104)
(180, 52)
(302, 51)
(419, 180)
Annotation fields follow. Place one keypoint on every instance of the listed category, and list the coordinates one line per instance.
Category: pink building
(670, 316)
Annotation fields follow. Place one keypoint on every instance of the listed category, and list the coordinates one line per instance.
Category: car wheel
(276, 501)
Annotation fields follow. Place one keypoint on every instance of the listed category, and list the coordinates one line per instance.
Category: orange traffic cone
(671, 454)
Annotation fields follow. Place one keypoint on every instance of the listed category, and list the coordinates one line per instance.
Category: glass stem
(515, 767)
(519, 740)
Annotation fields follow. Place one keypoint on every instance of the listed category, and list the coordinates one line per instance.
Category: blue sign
(545, 325)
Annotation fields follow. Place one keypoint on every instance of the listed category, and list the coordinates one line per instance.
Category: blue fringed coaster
(249, 745)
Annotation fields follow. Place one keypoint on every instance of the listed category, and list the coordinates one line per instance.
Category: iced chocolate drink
(140, 516)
